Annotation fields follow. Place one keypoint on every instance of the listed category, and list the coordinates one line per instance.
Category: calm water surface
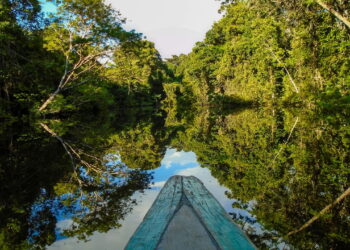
(87, 182)
(174, 163)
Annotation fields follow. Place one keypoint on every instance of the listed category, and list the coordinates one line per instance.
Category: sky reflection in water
(174, 163)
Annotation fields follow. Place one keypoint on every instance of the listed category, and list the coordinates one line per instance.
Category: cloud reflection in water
(173, 163)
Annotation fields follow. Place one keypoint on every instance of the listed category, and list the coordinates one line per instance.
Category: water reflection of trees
(59, 170)
(291, 163)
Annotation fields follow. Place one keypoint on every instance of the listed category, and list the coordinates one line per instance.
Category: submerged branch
(334, 12)
(286, 142)
(76, 155)
(323, 211)
(53, 134)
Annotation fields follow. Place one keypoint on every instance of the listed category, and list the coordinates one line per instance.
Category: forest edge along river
(93, 122)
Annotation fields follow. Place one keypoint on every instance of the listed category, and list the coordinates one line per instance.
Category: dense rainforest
(270, 52)
(261, 52)
(88, 110)
(77, 58)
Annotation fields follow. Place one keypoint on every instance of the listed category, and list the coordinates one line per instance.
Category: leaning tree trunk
(334, 12)
(50, 99)
(323, 211)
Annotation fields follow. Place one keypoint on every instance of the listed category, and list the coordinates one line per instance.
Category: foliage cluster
(67, 170)
(79, 57)
(283, 165)
(268, 52)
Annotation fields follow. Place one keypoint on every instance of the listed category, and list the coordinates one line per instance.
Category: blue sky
(47, 6)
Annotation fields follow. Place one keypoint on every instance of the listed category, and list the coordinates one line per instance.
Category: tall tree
(85, 32)
(17, 20)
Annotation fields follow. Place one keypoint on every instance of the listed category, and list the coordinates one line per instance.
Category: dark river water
(86, 182)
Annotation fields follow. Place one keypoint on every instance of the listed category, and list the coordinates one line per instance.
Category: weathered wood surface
(214, 216)
(186, 231)
(181, 192)
(148, 234)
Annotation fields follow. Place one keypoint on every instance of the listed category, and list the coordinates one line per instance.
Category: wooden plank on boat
(213, 215)
(148, 234)
(186, 231)
(185, 202)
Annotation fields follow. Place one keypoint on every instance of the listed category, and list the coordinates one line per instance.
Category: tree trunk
(50, 99)
(323, 211)
(334, 12)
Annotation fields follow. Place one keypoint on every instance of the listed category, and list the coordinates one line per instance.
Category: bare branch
(322, 212)
(75, 85)
(286, 70)
(286, 142)
(52, 133)
(334, 12)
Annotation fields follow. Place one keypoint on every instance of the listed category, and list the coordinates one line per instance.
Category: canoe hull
(185, 199)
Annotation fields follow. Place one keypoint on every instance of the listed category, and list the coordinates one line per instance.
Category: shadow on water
(282, 166)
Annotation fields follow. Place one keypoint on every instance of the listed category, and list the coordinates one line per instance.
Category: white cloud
(178, 157)
(117, 238)
(63, 224)
(158, 184)
(174, 26)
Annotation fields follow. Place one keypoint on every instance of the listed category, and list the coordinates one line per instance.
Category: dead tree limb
(323, 211)
(334, 12)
